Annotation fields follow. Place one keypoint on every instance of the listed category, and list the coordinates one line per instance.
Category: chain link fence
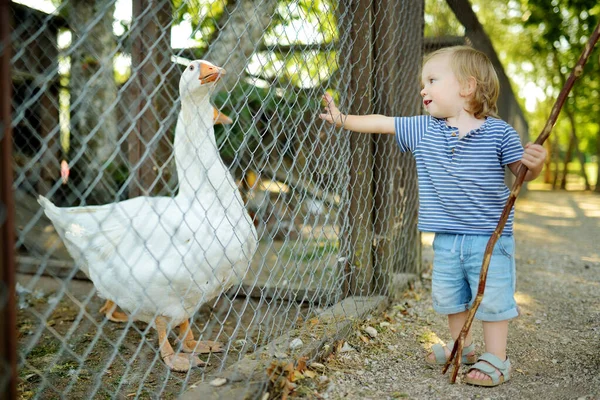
(328, 228)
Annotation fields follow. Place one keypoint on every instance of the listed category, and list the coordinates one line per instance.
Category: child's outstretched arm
(533, 159)
(373, 123)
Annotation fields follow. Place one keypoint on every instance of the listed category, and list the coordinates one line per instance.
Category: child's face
(441, 89)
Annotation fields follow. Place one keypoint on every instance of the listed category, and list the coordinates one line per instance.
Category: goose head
(199, 78)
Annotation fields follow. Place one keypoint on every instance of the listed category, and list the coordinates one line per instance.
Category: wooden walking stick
(577, 71)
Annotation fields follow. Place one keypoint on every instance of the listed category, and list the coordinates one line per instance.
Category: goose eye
(191, 67)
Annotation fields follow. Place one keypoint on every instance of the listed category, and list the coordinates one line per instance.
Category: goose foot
(189, 345)
(109, 309)
(176, 362)
(183, 362)
(202, 347)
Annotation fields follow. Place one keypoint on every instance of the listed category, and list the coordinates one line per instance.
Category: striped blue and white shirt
(461, 181)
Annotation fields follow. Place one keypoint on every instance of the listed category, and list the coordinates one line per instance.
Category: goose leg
(176, 362)
(189, 345)
(109, 309)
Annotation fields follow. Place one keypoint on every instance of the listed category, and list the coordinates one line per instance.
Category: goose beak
(210, 73)
(220, 118)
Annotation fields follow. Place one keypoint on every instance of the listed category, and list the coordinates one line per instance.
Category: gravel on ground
(554, 344)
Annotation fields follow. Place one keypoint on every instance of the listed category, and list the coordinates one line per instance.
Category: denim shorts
(456, 266)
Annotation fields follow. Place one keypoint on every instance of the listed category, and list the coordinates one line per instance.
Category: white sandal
(439, 351)
(489, 364)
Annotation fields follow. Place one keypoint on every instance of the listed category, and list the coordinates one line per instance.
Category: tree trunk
(597, 188)
(573, 141)
(555, 162)
(568, 157)
(573, 147)
(548, 162)
(240, 37)
(94, 134)
(580, 155)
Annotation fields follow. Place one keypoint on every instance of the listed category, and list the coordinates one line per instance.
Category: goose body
(161, 258)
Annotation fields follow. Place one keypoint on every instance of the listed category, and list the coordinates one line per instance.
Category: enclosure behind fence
(294, 228)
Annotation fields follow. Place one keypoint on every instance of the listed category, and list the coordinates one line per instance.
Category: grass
(314, 250)
(427, 336)
(42, 350)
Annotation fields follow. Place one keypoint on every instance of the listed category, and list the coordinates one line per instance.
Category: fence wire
(306, 218)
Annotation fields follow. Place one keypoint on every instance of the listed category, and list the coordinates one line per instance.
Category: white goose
(110, 309)
(161, 258)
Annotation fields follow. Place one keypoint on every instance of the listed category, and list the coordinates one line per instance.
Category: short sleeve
(410, 130)
(511, 149)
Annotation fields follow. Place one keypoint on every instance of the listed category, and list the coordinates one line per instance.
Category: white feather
(160, 256)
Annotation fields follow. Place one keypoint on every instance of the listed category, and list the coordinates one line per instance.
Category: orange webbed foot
(183, 362)
(109, 309)
(189, 345)
(202, 347)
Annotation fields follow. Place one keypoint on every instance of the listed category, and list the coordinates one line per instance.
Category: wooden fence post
(356, 66)
(8, 309)
(398, 46)
(153, 97)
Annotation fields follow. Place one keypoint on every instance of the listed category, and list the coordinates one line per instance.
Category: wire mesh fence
(196, 221)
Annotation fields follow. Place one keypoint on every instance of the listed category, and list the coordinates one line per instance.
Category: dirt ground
(78, 354)
(554, 344)
(69, 350)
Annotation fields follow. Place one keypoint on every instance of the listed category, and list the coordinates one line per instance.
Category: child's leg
(456, 322)
(450, 290)
(495, 335)
(498, 305)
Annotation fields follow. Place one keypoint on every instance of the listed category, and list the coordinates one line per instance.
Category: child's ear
(468, 87)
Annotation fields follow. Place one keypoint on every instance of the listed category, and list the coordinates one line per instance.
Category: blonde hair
(467, 62)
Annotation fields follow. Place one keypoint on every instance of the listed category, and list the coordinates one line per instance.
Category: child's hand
(534, 157)
(331, 114)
